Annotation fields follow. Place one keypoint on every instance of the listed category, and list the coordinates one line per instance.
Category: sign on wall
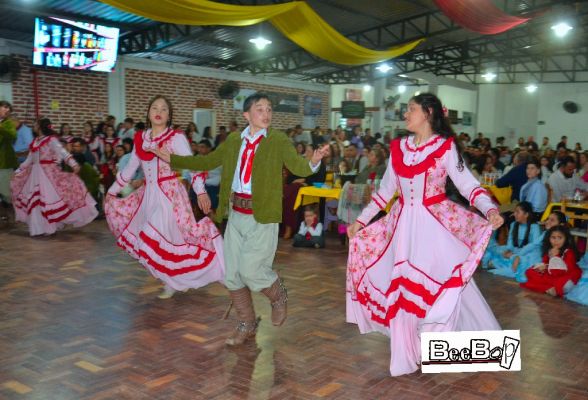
(283, 102)
(312, 105)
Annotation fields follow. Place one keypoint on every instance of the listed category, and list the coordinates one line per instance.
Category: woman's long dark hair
(569, 243)
(440, 124)
(528, 208)
(45, 127)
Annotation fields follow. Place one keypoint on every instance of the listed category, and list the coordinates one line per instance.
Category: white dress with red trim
(155, 224)
(411, 271)
(45, 197)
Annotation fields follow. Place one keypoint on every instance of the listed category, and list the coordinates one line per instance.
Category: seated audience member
(310, 233)
(534, 191)
(558, 272)
(517, 176)
(523, 232)
(563, 183)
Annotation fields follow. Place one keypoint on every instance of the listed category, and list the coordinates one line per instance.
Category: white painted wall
(509, 111)
(459, 99)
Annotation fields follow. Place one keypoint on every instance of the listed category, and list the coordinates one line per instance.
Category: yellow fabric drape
(296, 20)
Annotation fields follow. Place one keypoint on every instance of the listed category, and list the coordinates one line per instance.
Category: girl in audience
(93, 142)
(522, 233)
(579, 293)
(532, 254)
(45, 197)
(534, 191)
(155, 223)
(558, 272)
(546, 170)
(110, 137)
(65, 133)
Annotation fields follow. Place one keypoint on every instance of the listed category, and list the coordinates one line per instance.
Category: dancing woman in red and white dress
(411, 271)
(155, 224)
(45, 197)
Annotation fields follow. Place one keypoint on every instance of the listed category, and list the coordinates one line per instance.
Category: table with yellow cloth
(311, 194)
(503, 195)
(579, 207)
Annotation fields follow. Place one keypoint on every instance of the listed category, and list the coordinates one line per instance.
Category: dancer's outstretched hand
(162, 153)
(353, 229)
(204, 202)
(495, 219)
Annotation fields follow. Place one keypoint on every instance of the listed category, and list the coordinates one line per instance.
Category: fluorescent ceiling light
(561, 29)
(260, 42)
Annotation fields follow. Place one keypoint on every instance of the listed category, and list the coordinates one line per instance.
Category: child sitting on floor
(310, 233)
(559, 272)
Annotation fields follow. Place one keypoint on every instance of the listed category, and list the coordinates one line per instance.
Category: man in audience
(352, 156)
(300, 136)
(478, 141)
(233, 127)
(564, 182)
(517, 176)
(78, 146)
(531, 144)
(24, 137)
(221, 137)
(563, 144)
(8, 160)
(356, 137)
(127, 129)
(545, 145)
(212, 182)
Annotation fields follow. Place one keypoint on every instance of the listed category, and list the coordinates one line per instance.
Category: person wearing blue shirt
(517, 176)
(24, 138)
(522, 234)
(534, 191)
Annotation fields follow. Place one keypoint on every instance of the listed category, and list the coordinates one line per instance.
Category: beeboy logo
(470, 351)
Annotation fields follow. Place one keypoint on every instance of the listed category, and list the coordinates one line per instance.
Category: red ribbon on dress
(247, 158)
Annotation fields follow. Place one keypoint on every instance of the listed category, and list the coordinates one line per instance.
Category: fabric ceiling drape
(296, 20)
(480, 16)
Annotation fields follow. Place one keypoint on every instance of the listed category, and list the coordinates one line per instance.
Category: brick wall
(77, 96)
(184, 91)
(64, 96)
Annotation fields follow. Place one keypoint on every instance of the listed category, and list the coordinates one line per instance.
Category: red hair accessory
(445, 111)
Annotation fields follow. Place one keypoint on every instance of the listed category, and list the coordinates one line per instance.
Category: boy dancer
(251, 184)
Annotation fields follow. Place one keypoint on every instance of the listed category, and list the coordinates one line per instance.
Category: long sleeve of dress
(181, 147)
(468, 185)
(61, 154)
(381, 197)
(124, 176)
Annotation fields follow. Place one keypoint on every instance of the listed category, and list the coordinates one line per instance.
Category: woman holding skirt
(411, 271)
(155, 224)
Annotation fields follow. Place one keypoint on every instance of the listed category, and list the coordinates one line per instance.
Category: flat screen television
(353, 109)
(66, 44)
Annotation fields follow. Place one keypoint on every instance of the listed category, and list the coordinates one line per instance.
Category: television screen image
(66, 44)
(353, 109)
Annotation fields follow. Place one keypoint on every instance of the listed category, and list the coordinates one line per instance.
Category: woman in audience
(375, 168)
(532, 254)
(534, 191)
(110, 137)
(45, 197)
(65, 133)
(546, 170)
(410, 272)
(483, 164)
(301, 148)
(522, 233)
(93, 141)
(155, 224)
(558, 272)
(192, 133)
(108, 166)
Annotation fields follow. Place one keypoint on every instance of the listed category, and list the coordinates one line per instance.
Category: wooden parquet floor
(79, 319)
